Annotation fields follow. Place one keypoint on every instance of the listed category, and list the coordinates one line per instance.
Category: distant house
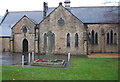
(78, 30)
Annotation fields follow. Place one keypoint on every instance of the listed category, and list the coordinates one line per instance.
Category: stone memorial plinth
(49, 59)
(49, 55)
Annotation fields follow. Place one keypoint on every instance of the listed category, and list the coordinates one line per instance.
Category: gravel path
(104, 55)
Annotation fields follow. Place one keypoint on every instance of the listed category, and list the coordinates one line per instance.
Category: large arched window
(108, 38)
(68, 40)
(111, 37)
(76, 40)
(115, 38)
(92, 37)
(96, 38)
(53, 41)
(45, 40)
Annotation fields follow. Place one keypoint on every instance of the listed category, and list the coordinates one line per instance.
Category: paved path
(12, 59)
(104, 55)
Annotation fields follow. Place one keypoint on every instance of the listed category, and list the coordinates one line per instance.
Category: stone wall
(71, 25)
(19, 35)
(102, 39)
(4, 44)
(18, 42)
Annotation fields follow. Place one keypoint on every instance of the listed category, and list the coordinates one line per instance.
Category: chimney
(60, 3)
(6, 10)
(67, 4)
(45, 8)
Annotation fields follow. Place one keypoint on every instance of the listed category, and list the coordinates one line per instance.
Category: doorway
(25, 51)
(25, 45)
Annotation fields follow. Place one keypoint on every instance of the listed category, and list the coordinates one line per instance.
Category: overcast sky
(30, 5)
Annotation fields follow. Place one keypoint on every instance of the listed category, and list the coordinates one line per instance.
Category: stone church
(78, 30)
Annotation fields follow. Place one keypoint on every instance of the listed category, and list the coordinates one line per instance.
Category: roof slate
(13, 17)
(108, 14)
(85, 14)
(97, 14)
(5, 31)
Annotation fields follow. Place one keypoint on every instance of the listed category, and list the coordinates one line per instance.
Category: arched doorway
(25, 45)
(25, 51)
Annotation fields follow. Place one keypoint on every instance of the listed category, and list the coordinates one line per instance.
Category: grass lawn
(81, 69)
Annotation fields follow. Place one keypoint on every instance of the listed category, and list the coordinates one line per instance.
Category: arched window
(111, 37)
(45, 40)
(108, 38)
(96, 38)
(115, 38)
(76, 40)
(68, 40)
(89, 37)
(36, 33)
(53, 41)
(24, 29)
(92, 37)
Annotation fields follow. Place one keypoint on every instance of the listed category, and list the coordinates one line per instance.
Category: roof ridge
(94, 6)
(71, 7)
(89, 6)
(25, 11)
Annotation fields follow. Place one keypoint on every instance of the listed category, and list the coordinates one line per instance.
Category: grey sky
(30, 5)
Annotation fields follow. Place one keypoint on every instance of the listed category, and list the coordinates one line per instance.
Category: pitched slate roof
(13, 17)
(5, 31)
(100, 14)
(107, 14)
(96, 14)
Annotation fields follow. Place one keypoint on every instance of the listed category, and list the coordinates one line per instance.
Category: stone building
(78, 30)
